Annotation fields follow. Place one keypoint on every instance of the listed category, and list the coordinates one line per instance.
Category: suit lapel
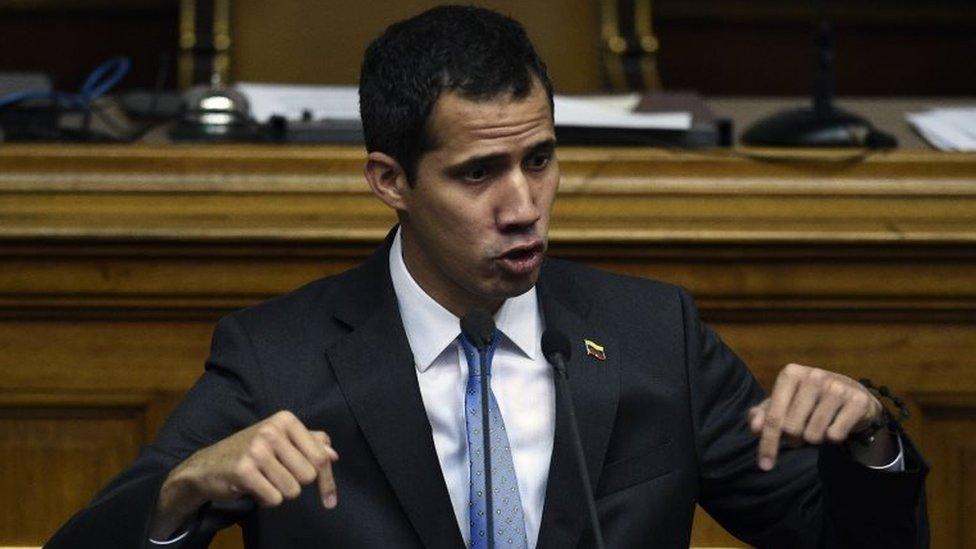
(375, 368)
(594, 385)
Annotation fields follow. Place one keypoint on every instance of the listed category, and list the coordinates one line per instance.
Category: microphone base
(806, 127)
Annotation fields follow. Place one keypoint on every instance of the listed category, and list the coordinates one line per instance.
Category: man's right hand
(269, 461)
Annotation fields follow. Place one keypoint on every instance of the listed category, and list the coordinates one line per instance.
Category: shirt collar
(431, 328)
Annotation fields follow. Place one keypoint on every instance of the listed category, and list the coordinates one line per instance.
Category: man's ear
(387, 179)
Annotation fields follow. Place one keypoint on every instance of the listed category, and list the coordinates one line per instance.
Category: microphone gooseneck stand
(557, 351)
(822, 124)
(486, 434)
(479, 327)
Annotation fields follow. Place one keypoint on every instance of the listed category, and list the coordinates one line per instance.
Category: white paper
(342, 103)
(599, 112)
(947, 129)
(292, 101)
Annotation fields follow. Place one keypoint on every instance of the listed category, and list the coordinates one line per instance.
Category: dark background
(718, 47)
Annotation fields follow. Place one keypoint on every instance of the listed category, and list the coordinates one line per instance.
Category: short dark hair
(473, 51)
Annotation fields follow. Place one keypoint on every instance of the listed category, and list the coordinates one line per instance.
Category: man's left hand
(810, 406)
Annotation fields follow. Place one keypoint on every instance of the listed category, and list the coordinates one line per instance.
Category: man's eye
(476, 174)
(539, 161)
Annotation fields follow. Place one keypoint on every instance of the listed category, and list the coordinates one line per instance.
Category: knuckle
(835, 435)
(817, 375)
(813, 436)
(305, 476)
(244, 469)
(284, 417)
(258, 450)
(269, 433)
(318, 459)
(292, 491)
(836, 387)
(792, 428)
(323, 437)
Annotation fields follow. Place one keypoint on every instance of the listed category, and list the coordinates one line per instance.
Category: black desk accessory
(823, 125)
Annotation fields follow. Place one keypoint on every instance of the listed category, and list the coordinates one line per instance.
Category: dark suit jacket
(662, 421)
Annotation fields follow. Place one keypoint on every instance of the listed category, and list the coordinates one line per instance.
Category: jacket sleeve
(224, 400)
(813, 497)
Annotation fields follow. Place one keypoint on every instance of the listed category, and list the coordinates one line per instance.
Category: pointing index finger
(326, 480)
(779, 401)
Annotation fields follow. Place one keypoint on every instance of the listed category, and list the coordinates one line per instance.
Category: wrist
(179, 498)
(180, 493)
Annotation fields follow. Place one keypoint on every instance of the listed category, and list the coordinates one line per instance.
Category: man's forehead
(494, 109)
(502, 116)
(510, 94)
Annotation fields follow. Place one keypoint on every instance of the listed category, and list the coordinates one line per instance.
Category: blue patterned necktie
(509, 523)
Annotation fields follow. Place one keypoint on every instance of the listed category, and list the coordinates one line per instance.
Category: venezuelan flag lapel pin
(594, 349)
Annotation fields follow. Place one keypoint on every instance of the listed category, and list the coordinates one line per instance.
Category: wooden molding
(608, 195)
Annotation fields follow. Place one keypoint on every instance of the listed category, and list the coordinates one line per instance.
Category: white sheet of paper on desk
(292, 101)
(947, 129)
(610, 112)
(342, 103)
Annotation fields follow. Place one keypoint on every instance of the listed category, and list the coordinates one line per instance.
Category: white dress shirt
(520, 378)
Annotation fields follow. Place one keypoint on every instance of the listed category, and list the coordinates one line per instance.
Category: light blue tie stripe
(509, 522)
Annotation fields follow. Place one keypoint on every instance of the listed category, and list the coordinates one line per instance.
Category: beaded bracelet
(887, 419)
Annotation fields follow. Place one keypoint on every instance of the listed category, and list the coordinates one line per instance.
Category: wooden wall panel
(88, 354)
(57, 451)
(948, 427)
(967, 496)
(323, 42)
(115, 262)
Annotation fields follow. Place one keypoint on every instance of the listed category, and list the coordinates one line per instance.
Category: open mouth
(518, 255)
(522, 259)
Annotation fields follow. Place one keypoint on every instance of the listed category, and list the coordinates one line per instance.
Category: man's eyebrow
(547, 145)
(479, 160)
(542, 146)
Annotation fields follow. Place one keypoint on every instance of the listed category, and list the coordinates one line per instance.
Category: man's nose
(517, 202)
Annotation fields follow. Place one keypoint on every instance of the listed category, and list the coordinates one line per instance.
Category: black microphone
(479, 327)
(556, 349)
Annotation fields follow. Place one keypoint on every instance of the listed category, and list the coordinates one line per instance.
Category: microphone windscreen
(555, 343)
(479, 327)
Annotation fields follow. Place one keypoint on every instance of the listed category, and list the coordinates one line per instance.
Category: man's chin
(514, 286)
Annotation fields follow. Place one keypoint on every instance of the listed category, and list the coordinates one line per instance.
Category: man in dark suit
(369, 365)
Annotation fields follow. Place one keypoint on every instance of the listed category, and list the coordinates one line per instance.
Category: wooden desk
(116, 261)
